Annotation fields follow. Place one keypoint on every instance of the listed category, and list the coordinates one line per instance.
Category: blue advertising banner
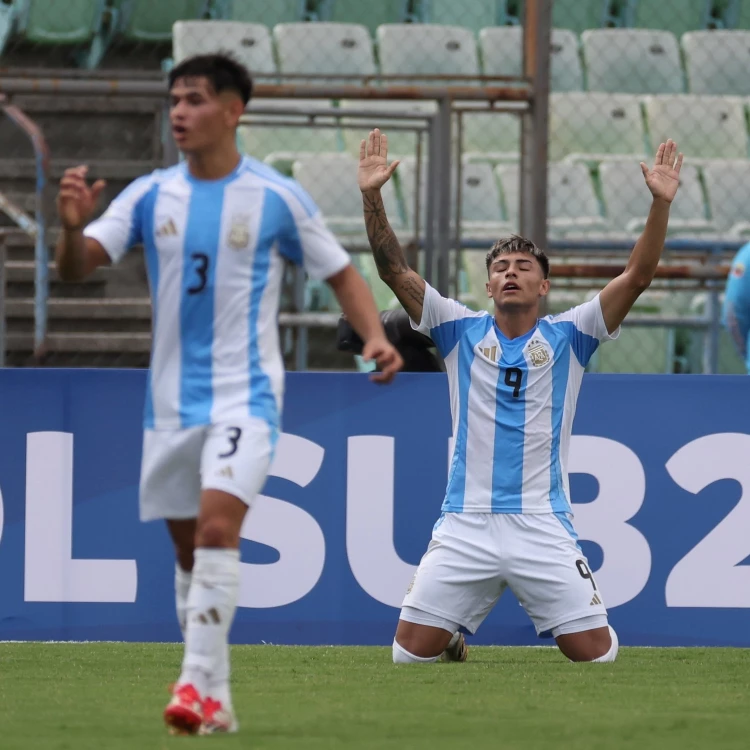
(660, 470)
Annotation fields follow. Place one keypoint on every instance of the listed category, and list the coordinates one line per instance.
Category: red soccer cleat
(217, 719)
(184, 713)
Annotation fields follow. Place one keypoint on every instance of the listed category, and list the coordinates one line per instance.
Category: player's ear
(233, 109)
(544, 288)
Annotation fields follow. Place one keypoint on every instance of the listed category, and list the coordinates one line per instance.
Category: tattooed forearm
(413, 288)
(386, 249)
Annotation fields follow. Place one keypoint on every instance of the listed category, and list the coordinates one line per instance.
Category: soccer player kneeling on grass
(514, 380)
(217, 230)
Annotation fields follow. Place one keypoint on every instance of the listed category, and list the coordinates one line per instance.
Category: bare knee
(422, 641)
(589, 645)
(216, 532)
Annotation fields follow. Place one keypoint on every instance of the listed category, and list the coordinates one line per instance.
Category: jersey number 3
(201, 271)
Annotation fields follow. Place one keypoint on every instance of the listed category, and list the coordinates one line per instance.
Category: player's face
(200, 118)
(516, 281)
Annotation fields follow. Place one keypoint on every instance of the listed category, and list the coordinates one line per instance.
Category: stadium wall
(659, 469)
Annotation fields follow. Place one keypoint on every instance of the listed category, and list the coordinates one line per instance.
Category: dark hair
(222, 70)
(516, 244)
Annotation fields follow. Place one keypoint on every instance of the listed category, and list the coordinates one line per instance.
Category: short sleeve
(735, 312)
(585, 328)
(120, 227)
(444, 320)
(304, 237)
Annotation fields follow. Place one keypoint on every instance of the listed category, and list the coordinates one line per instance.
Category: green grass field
(102, 696)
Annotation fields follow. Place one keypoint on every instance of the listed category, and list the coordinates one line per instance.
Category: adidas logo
(226, 472)
(596, 600)
(168, 229)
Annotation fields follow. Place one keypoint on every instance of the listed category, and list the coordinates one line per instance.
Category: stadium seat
(481, 208)
(632, 61)
(250, 43)
(572, 206)
(149, 21)
(331, 180)
(268, 13)
(717, 62)
(662, 14)
(75, 22)
(400, 142)
(474, 15)
(418, 50)
(728, 191)
(370, 15)
(324, 49)
(705, 127)
(280, 138)
(595, 127)
(627, 199)
(491, 136)
(502, 55)
(579, 15)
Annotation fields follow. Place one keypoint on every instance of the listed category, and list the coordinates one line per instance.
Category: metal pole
(711, 348)
(459, 198)
(443, 194)
(536, 62)
(432, 166)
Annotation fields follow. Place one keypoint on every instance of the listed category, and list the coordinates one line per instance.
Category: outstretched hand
(386, 357)
(374, 171)
(664, 179)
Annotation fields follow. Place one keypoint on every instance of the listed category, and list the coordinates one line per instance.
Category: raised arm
(621, 293)
(77, 256)
(393, 269)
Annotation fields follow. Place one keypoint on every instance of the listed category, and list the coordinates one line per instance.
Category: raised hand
(374, 171)
(76, 201)
(664, 179)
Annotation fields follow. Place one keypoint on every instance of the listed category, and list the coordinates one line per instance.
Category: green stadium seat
(268, 12)
(367, 14)
(75, 22)
(632, 61)
(491, 136)
(717, 62)
(472, 14)
(627, 199)
(728, 190)
(704, 127)
(579, 15)
(502, 55)
(279, 139)
(325, 49)
(595, 127)
(416, 50)
(249, 42)
(661, 14)
(149, 21)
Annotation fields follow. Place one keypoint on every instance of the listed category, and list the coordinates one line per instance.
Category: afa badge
(239, 232)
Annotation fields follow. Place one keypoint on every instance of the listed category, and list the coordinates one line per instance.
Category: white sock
(611, 655)
(218, 684)
(182, 579)
(212, 602)
(453, 640)
(402, 656)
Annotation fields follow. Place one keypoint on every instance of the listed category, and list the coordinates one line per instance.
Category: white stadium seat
(717, 62)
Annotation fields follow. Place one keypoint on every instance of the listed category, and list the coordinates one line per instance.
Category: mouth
(179, 132)
(511, 287)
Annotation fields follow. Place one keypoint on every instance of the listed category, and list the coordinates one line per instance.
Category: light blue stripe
(560, 372)
(144, 222)
(202, 237)
(583, 344)
(274, 223)
(270, 174)
(281, 222)
(448, 334)
(564, 519)
(510, 431)
(454, 496)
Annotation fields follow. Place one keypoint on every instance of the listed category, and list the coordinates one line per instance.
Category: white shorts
(472, 557)
(178, 464)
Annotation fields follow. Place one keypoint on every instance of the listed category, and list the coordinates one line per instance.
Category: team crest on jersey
(239, 232)
(538, 354)
(738, 270)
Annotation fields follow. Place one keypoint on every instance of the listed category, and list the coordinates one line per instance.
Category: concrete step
(111, 343)
(20, 274)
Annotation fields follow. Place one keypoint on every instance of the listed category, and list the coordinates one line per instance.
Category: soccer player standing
(514, 380)
(216, 230)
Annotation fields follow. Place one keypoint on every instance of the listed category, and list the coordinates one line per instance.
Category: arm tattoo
(413, 291)
(386, 249)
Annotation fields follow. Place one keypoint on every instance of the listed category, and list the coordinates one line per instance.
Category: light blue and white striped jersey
(215, 254)
(512, 402)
